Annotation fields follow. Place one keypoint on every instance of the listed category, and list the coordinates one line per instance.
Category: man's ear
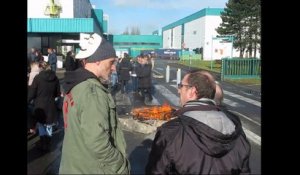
(192, 93)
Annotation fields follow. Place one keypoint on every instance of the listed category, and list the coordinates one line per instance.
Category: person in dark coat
(39, 56)
(134, 80)
(43, 91)
(52, 59)
(32, 55)
(123, 71)
(203, 138)
(144, 73)
(71, 63)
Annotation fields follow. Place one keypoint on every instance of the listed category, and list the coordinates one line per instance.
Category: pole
(178, 80)
(167, 74)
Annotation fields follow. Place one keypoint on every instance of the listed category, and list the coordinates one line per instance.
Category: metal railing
(240, 68)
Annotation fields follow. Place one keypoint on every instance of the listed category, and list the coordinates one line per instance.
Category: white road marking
(237, 113)
(173, 85)
(250, 135)
(231, 103)
(254, 102)
(168, 94)
(153, 102)
(157, 74)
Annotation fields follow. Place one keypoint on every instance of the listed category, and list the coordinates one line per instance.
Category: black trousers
(146, 92)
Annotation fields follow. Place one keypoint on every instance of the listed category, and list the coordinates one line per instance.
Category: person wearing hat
(93, 142)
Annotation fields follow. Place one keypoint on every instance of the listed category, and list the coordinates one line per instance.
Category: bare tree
(126, 32)
(135, 30)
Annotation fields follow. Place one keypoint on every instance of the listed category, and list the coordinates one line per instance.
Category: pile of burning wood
(153, 112)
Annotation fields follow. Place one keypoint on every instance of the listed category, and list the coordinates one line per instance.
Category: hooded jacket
(93, 141)
(200, 141)
(43, 90)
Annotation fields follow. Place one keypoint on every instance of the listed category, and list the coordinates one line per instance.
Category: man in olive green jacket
(93, 141)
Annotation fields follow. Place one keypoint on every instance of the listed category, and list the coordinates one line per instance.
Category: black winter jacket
(123, 69)
(44, 89)
(187, 146)
(144, 73)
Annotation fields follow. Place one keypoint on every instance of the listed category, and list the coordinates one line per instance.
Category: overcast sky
(150, 15)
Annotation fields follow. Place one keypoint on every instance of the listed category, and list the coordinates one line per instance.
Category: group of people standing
(35, 56)
(204, 138)
(43, 92)
(43, 89)
(138, 71)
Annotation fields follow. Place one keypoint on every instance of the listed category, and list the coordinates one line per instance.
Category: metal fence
(240, 68)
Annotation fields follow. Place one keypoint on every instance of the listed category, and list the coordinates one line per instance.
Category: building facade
(198, 30)
(135, 44)
(58, 24)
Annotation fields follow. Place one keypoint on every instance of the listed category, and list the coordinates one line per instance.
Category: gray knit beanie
(95, 48)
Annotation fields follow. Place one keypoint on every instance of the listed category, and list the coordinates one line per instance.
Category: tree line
(242, 20)
(134, 30)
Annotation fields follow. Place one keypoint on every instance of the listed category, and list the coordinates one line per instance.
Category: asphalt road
(138, 144)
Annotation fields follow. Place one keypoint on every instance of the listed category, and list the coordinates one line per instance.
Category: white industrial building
(198, 30)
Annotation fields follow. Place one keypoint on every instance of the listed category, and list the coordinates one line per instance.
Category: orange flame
(155, 112)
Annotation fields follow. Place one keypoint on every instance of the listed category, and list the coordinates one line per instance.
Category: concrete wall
(167, 39)
(211, 23)
(70, 8)
(194, 33)
(36, 8)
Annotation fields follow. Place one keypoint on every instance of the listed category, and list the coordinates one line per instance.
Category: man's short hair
(204, 85)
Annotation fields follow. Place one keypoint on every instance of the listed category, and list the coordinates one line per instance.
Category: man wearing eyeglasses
(203, 138)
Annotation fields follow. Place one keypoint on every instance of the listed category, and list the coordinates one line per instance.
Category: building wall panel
(167, 39)
(194, 33)
(177, 37)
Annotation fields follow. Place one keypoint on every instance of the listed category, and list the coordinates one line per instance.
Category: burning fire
(154, 112)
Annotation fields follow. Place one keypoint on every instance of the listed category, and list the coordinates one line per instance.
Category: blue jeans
(45, 129)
